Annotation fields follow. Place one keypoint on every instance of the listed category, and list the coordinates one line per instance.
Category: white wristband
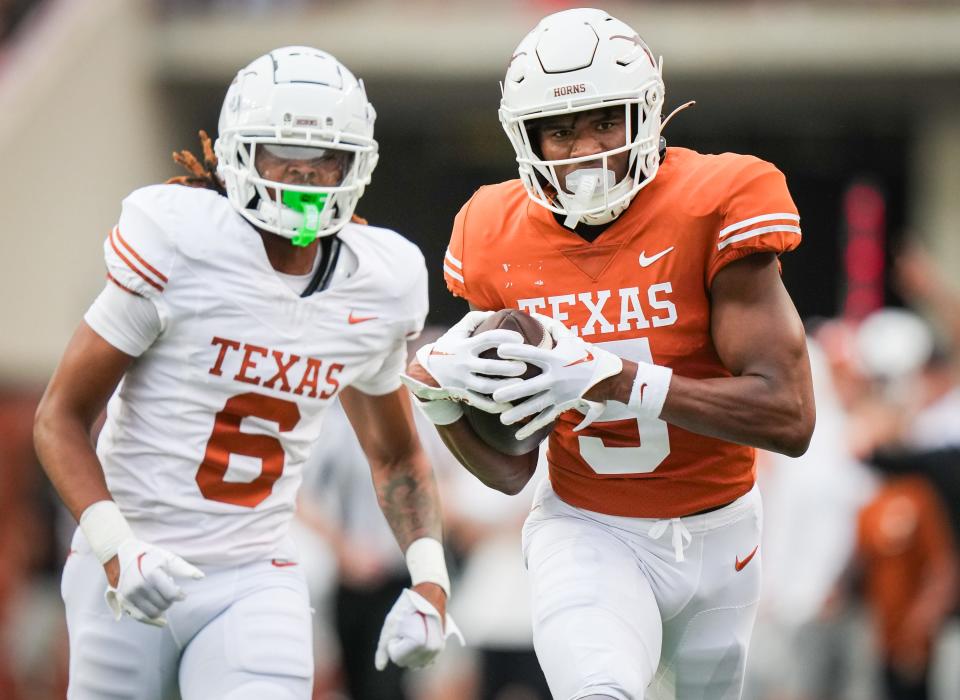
(105, 528)
(649, 390)
(441, 411)
(426, 563)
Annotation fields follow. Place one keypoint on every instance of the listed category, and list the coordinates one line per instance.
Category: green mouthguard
(310, 205)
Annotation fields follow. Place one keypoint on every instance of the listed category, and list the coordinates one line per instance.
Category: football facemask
(576, 61)
(299, 186)
(301, 105)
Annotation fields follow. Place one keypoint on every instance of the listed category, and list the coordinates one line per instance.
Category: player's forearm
(749, 409)
(65, 451)
(408, 497)
(505, 473)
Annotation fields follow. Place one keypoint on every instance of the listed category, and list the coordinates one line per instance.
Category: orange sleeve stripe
(129, 264)
(124, 288)
(143, 262)
(747, 223)
(753, 233)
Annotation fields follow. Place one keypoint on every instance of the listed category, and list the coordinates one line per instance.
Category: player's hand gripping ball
(488, 426)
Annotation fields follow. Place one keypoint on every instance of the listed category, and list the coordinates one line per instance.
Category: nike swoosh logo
(645, 261)
(740, 564)
(351, 319)
(586, 358)
(439, 352)
(281, 563)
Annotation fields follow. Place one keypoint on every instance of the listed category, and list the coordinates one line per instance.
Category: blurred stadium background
(858, 102)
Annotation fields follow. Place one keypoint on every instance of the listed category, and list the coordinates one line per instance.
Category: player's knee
(712, 673)
(275, 689)
(619, 682)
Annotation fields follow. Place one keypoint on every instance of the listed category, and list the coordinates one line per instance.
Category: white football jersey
(207, 434)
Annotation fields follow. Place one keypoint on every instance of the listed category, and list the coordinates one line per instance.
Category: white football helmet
(574, 61)
(302, 98)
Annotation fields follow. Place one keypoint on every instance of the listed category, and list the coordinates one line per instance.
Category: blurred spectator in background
(886, 396)
(805, 645)
(907, 547)
(920, 280)
(32, 657)
(909, 567)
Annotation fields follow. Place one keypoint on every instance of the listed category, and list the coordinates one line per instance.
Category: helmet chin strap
(584, 184)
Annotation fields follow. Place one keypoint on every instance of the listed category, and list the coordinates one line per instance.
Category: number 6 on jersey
(226, 439)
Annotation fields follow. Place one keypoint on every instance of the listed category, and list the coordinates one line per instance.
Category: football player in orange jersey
(677, 352)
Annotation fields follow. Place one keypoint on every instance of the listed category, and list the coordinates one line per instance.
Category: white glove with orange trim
(455, 364)
(569, 370)
(146, 587)
(413, 633)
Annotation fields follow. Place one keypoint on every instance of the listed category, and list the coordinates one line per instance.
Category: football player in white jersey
(233, 314)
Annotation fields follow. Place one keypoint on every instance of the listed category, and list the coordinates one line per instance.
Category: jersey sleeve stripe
(129, 264)
(143, 262)
(452, 260)
(756, 220)
(450, 271)
(758, 232)
(124, 288)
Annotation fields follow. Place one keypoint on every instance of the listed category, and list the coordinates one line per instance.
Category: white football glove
(146, 587)
(454, 362)
(569, 370)
(412, 633)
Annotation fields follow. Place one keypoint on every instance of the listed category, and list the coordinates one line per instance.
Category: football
(487, 426)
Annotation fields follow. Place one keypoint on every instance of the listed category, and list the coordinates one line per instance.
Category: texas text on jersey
(642, 291)
(211, 472)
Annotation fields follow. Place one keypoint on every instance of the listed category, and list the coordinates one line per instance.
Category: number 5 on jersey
(652, 441)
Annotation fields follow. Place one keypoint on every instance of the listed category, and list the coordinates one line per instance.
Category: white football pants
(615, 599)
(243, 633)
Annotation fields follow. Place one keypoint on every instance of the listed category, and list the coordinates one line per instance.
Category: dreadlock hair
(205, 174)
(199, 175)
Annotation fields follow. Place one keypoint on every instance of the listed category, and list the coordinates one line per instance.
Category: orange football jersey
(641, 290)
